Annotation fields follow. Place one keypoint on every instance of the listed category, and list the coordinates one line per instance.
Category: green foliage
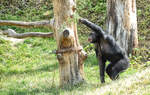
(27, 10)
(143, 12)
(94, 10)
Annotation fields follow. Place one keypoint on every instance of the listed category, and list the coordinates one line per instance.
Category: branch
(12, 33)
(78, 49)
(36, 24)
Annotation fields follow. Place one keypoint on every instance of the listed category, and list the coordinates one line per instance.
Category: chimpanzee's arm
(97, 29)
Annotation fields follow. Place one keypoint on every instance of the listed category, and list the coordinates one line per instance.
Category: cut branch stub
(81, 59)
(66, 50)
(66, 33)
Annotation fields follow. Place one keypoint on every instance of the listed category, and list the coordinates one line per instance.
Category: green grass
(137, 84)
(29, 68)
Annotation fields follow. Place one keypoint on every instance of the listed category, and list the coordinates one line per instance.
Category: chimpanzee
(107, 49)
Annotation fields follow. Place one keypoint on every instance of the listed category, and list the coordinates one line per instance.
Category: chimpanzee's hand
(81, 20)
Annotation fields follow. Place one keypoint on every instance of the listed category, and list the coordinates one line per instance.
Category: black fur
(107, 49)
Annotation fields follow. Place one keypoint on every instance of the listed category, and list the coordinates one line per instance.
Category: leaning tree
(122, 23)
(69, 52)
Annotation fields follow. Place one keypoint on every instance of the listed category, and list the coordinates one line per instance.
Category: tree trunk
(65, 31)
(122, 23)
(70, 54)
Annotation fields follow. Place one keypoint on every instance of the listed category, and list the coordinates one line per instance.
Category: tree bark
(65, 29)
(69, 53)
(122, 23)
(36, 24)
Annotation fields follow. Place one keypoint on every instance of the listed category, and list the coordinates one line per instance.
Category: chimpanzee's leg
(109, 69)
(114, 69)
(102, 69)
(120, 66)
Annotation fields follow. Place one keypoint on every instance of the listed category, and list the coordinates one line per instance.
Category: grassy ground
(137, 84)
(29, 68)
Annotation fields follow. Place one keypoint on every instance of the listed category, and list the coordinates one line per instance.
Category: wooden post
(65, 30)
(69, 52)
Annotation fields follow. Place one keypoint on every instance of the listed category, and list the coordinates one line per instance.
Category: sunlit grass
(137, 84)
(29, 68)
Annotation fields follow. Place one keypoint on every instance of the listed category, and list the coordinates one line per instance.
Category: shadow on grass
(31, 91)
(43, 68)
(51, 90)
(91, 61)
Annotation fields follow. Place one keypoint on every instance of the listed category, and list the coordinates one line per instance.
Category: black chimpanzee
(107, 49)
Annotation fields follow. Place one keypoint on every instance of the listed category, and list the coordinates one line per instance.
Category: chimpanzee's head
(93, 38)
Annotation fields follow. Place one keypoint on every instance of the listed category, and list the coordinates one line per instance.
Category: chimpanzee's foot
(114, 76)
(102, 80)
